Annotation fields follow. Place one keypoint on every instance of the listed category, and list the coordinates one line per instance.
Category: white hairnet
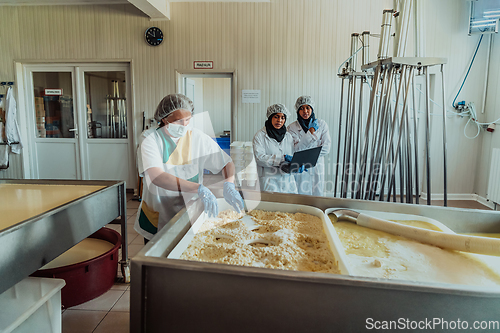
(277, 108)
(171, 103)
(304, 100)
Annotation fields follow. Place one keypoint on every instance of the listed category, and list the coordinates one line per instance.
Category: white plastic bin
(32, 305)
(251, 179)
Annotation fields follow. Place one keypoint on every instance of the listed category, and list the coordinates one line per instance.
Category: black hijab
(277, 134)
(304, 123)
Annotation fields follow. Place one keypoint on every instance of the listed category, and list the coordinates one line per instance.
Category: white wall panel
(446, 36)
(285, 48)
(490, 141)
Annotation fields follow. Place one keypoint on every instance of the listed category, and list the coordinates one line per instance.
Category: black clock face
(154, 36)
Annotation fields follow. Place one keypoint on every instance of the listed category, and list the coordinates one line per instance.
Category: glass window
(53, 93)
(106, 104)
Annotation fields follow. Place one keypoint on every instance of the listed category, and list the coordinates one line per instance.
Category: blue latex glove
(209, 201)
(301, 169)
(288, 158)
(314, 124)
(233, 197)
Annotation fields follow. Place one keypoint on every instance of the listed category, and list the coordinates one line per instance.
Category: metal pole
(383, 132)
(385, 34)
(354, 47)
(338, 147)
(402, 31)
(358, 134)
(343, 188)
(427, 134)
(444, 140)
(376, 126)
(376, 131)
(415, 142)
(401, 125)
(401, 150)
(365, 37)
(409, 185)
(351, 121)
(364, 155)
(385, 160)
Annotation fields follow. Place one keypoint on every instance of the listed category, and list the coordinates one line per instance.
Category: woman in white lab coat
(171, 158)
(309, 132)
(270, 146)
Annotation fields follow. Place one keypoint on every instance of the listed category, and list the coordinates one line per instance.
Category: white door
(53, 123)
(107, 142)
(80, 122)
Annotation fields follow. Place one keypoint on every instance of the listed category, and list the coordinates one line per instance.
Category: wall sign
(203, 65)
(250, 96)
(53, 92)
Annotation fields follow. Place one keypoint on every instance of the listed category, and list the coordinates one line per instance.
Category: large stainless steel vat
(30, 244)
(185, 296)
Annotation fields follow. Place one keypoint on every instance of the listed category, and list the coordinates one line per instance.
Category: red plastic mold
(91, 278)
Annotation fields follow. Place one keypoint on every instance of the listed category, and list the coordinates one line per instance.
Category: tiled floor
(109, 313)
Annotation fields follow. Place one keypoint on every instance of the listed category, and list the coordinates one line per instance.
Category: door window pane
(54, 116)
(106, 104)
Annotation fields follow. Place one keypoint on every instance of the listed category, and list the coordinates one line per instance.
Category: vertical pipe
(377, 142)
(385, 34)
(343, 188)
(444, 140)
(396, 24)
(352, 114)
(409, 184)
(486, 78)
(338, 145)
(427, 134)
(419, 28)
(358, 134)
(385, 159)
(376, 126)
(401, 165)
(384, 112)
(415, 142)
(398, 144)
(401, 150)
(364, 154)
(354, 47)
(403, 28)
(365, 56)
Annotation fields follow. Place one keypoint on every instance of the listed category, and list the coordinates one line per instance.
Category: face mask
(178, 131)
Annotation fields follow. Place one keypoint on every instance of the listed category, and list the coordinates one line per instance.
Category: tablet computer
(307, 157)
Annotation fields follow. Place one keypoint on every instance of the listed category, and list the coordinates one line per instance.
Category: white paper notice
(250, 96)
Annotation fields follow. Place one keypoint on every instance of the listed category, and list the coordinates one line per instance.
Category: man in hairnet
(171, 158)
(309, 132)
(272, 147)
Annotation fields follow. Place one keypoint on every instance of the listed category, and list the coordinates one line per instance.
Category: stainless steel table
(186, 296)
(29, 244)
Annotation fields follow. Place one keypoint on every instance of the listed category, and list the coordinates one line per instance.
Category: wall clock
(154, 36)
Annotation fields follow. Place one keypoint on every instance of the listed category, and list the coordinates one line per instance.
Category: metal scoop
(473, 244)
(247, 219)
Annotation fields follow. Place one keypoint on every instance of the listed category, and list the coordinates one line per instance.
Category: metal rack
(387, 154)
